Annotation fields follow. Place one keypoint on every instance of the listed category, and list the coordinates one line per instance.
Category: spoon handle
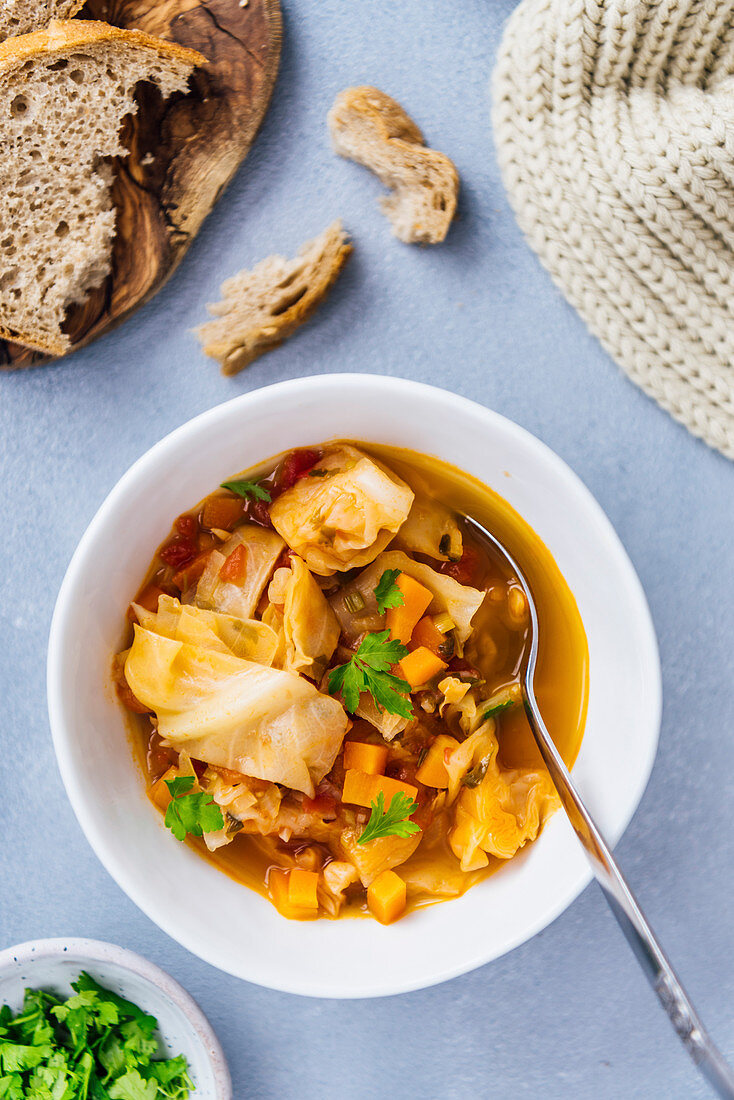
(650, 955)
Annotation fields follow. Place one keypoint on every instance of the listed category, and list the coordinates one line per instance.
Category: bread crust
(273, 299)
(370, 127)
(63, 35)
(28, 340)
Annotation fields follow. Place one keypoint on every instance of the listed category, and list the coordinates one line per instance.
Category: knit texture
(614, 125)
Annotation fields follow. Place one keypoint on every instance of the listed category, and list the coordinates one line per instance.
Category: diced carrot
(365, 757)
(400, 621)
(427, 634)
(235, 566)
(361, 789)
(159, 793)
(432, 771)
(302, 887)
(420, 666)
(222, 512)
(278, 887)
(386, 897)
(148, 599)
(191, 573)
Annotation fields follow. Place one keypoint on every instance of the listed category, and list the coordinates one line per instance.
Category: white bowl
(183, 1028)
(227, 924)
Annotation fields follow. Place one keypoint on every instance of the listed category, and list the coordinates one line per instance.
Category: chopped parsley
(498, 708)
(92, 1046)
(387, 592)
(393, 821)
(247, 489)
(321, 473)
(368, 670)
(193, 813)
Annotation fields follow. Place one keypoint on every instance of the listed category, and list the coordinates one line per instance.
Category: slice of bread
(371, 128)
(64, 92)
(262, 307)
(24, 16)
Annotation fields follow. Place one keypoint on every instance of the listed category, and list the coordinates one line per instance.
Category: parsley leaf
(247, 489)
(498, 708)
(92, 1046)
(393, 821)
(387, 592)
(368, 671)
(193, 813)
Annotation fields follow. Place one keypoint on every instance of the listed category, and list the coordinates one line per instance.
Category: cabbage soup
(321, 666)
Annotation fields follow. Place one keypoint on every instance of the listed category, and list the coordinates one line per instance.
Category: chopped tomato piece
(235, 567)
(179, 552)
(295, 466)
(186, 525)
(259, 512)
(324, 805)
(466, 569)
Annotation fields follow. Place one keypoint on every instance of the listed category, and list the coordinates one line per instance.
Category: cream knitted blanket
(614, 124)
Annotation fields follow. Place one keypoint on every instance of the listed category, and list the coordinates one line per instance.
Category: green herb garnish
(393, 821)
(320, 473)
(368, 670)
(498, 708)
(92, 1046)
(249, 489)
(193, 813)
(387, 592)
(476, 774)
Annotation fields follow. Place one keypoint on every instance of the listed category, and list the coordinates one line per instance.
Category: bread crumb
(262, 307)
(371, 128)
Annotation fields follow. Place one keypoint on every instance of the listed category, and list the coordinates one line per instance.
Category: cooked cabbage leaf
(459, 600)
(378, 856)
(310, 628)
(246, 638)
(257, 549)
(501, 814)
(432, 529)
(343, 520)
(259, 721)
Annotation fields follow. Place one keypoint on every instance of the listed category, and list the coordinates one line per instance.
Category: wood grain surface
(183, 150)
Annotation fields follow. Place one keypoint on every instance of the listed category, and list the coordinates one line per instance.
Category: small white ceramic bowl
(183, 1028)
(227, 924)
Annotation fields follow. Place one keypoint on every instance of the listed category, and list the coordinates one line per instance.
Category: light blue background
(568, 1014)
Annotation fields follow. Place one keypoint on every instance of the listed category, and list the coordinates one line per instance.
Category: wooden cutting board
(183, 150)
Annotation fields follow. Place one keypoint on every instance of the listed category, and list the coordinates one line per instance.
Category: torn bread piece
(64, 92)
(24, 16)
(261, 308)
(370, 128)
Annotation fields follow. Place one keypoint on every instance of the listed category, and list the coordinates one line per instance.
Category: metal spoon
(642, 940)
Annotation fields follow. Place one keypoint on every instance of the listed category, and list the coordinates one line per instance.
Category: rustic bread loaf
(371, 128)
(262, 307)
(64, 92)
(24, 16)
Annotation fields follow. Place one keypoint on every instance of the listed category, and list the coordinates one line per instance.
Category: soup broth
(464, 761)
